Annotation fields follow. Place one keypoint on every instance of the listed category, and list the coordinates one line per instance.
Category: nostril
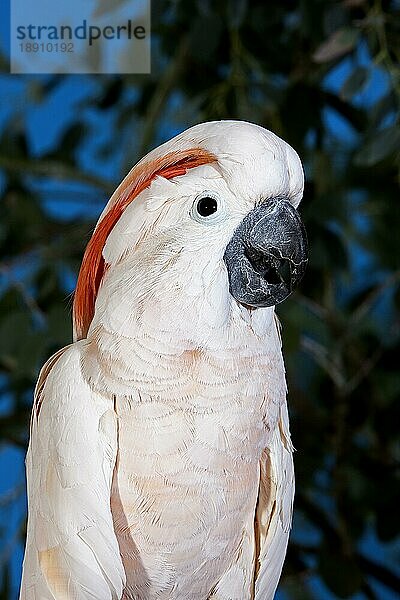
(274, 270)
(271, 275)
(257, 260)
(285, 272)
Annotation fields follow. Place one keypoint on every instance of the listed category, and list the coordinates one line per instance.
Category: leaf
(59, 324)
(5, 592)
(104, 7)
(322, 171)
(385, 142)
(204, 48)
(13, 329)
(18, 347)
(339, 43)
(29, 355)
(70, 139)
(14, 142)
(388, 529)
(296, 590)
(236, 12)
(111, 94)
(328, 251)
(355, 82)
(384, 106)
(340, 573)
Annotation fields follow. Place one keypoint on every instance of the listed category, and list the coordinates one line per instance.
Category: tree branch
(319, 518)
(54, 170)
(161, 94)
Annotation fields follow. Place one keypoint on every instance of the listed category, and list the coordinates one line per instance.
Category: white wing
(274, 509)
(71, 549)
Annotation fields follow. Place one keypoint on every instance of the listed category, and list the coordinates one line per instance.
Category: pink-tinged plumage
(160, 462)
(93, 266)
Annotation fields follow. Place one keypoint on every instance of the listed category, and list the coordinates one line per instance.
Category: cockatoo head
(202, 230)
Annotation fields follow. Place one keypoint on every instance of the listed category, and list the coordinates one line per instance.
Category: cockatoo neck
(147, 316)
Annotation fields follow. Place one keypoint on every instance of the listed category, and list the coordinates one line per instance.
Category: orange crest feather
(93, 265)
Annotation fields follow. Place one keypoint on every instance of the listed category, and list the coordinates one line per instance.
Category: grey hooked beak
(267, 254)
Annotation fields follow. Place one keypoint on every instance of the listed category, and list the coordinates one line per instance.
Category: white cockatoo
(160, 461)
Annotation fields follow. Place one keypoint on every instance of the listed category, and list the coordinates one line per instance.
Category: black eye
(206, 206)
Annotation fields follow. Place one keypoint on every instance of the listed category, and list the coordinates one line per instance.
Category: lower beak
(267, 254)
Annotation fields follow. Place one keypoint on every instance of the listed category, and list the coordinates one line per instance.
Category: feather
(138, 179)
(71, 549)
(274, 508)
(160, 463)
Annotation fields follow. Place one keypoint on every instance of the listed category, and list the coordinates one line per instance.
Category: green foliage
(267, 62)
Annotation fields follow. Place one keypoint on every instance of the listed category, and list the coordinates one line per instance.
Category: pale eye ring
(206, 207)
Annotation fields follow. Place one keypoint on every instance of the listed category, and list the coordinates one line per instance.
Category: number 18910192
(46, 46)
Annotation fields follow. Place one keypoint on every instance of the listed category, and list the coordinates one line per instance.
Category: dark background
(324, 75)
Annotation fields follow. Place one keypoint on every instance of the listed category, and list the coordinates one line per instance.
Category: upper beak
(267, 254)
